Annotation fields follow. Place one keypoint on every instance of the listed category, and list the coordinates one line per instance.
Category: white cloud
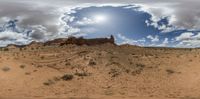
(164, 43)
(10, 35)
(85, 21)
(188, 39)
(159, 11)
(184, 36)
(73, 30)
(142, 40)
(126, 40)
(153, 39)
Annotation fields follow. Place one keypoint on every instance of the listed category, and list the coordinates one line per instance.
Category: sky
(154, 23)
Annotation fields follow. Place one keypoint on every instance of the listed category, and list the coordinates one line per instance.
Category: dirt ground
(99, 72)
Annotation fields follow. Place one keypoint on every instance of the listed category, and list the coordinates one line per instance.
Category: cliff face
(81, 41)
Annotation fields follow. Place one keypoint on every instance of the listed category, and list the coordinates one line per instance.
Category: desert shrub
(137, 72)
(42, 57)
(22, 66)
(35, 70)
(6, 49)
(67, 77)
(127, 70)
(48, 82)
(138, 69)
(82, 74)
(114, 72)
(67, 63)
(92, 63)
(140, 65)
(32, 48)
(169, 71)
(5, 69)
(27, 73)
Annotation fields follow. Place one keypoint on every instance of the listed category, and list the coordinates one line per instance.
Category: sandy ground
(99, 72)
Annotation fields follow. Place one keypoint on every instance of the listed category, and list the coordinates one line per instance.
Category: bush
(114, 72)
(49, 82)
(92, 63)
(27, 73)
(82, 74)
(6, 49)
(5, 69)
(140, 65)
(32, 48)
(22, 66)
(42, 57)
(138, 69)
(169, 71)
(67, 77)
(67, 63)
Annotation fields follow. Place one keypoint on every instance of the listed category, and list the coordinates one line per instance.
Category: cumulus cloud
(126, 40)
(188, 39)
(164, 43)
(10, 35)
(153, 38)
(184, 36)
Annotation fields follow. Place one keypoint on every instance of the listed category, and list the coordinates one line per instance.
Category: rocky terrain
(78, 68)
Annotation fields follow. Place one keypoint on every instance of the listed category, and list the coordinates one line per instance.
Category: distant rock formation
(35, 44)
(55, 41)
(81, 41)
(65, 41)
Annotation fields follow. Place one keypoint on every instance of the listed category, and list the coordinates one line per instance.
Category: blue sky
(170, 23)
(128, 24)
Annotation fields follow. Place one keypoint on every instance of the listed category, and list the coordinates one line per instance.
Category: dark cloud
(37, 35)
(30, 15)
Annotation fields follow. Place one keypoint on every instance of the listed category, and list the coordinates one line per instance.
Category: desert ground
(105, 71)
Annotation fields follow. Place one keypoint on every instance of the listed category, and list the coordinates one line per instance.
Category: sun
(100, 18)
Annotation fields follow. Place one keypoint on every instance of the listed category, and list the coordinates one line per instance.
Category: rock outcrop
(65, 41)
(81, 41)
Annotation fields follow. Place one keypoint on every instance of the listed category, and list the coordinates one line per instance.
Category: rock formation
(80, 41)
